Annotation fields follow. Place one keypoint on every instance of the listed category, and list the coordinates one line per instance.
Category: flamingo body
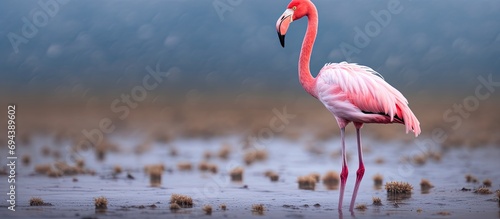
(355, 93)
(351, 92)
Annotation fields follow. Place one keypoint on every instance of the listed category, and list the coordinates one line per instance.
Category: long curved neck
(305, 77)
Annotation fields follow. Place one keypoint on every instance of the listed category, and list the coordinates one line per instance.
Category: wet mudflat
(130, 193)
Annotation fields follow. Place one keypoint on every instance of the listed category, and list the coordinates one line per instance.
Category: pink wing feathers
(367, 91)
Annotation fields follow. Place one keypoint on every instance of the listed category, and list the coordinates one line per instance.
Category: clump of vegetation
(483, 191)
(379, 160)
(37, 201)
(80, 163)
(54, 173)
(398, 188)
(155, 177)
(377, 201)
(43, 168)
(261, 155)
(60, 168)
(268, 173)
(249, 157)
(223, 206)
(224, 151)
(470, 179)
(100, 153)
(487, 182)
(307, 182)
(331, 179)
(205, 166)
(207, 209)
(361, 207)
(174, 206)
(258, 209)
(255, 155)
(183, 201)
(184, 166)
(237, 174)
(436, 156)
(117, 169)
(316, 176)
(378, 179)
(101, 202)
(425, 185)
(273, 176)
(443, 213)
(419, 159)
(213, 168)
(66, 169)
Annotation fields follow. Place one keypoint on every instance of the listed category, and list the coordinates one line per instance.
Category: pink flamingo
(351, 92)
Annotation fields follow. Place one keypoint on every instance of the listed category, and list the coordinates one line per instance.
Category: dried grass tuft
(361, 207)
(101, 202)
(183, 201)
(207, 209)
(237, 174)
(331, 179)
(377, 201)
(425, 184)
(307, 182)
(398, 188)
(483, 191)
(258, 209)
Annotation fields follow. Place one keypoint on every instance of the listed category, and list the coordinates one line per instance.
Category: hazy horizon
(104, 47)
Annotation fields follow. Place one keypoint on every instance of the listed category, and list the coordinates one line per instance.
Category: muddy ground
(130, 194)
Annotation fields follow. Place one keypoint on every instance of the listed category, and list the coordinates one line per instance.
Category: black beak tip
(282, 39)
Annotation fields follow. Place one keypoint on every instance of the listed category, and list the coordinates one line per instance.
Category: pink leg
(345, 172)
(361, 169)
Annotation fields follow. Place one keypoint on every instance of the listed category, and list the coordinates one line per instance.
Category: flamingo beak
(283, 23)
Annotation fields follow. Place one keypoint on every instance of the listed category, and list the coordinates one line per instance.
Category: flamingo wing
(358, 93)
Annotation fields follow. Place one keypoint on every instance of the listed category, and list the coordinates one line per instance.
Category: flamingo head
(295, 10)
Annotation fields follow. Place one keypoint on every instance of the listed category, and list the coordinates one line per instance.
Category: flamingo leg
(345, 172)
(360, 172)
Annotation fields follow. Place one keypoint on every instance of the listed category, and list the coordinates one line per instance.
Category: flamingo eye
(294, 8)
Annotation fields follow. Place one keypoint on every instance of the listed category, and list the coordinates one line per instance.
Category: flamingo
(351, 92)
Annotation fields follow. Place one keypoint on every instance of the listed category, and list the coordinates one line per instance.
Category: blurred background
(198, 90)
(68, 65)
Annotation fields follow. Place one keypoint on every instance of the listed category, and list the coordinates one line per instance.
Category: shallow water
(281, 199)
